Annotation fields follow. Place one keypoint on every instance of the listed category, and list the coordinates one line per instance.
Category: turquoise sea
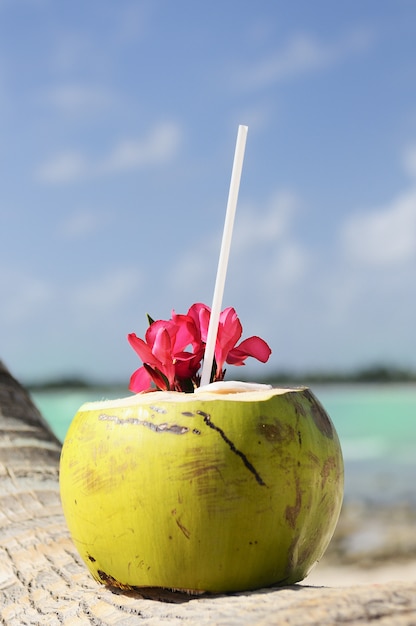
(376, 425)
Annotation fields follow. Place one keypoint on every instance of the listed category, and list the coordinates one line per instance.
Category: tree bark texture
(43, 581)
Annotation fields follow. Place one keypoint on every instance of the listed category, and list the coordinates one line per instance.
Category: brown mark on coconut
(292, 556)
(329, 465)
(314, 459)
(309, 548)
(175, 429)
(183, 528)
(277, 432)
(199, 467)
(207, 420)
(110, 581)
(319, 415)
(292, 512)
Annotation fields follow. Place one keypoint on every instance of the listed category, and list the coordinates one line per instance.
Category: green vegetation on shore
(374, 374)
(381, 374)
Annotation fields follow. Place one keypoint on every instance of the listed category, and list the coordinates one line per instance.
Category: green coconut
(229, 489)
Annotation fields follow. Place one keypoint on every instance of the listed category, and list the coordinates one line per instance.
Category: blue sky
(118, 123)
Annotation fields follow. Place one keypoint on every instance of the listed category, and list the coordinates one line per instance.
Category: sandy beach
(371, 545)
(349, 575)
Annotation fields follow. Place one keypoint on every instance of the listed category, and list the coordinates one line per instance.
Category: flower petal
(187, 333)
(141, 347)
(187, 364)
(254, 347)
(229, 332)
(230, 328)
(201, 313)
(154, 329)
(158, 378)
(162, 347)
(140, 380)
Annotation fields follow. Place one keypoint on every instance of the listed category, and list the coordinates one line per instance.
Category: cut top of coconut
(224, 390)
(238, 390)
(231, 386)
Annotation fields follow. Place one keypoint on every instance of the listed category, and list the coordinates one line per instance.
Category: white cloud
(28, 298)
(288, 265)
(104, 294)
(302, 54)
(24, 296)
(75, 98)
(54, 326)
(256, 116)
(383, 237)
(256, 226)
(77, 51)
(64, 168)
(265, 249)
(81, 224)
(132, 21)
(160, 145)
(364, 304)
(265, 254)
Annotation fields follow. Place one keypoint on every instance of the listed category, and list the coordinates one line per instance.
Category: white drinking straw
(224, 255)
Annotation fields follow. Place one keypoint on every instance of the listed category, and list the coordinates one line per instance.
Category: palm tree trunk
(43, 581)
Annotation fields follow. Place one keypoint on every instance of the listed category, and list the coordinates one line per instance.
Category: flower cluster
(173, 350)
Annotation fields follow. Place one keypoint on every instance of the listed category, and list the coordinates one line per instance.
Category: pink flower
(173, 349)
(229, 332)
(165, 360)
